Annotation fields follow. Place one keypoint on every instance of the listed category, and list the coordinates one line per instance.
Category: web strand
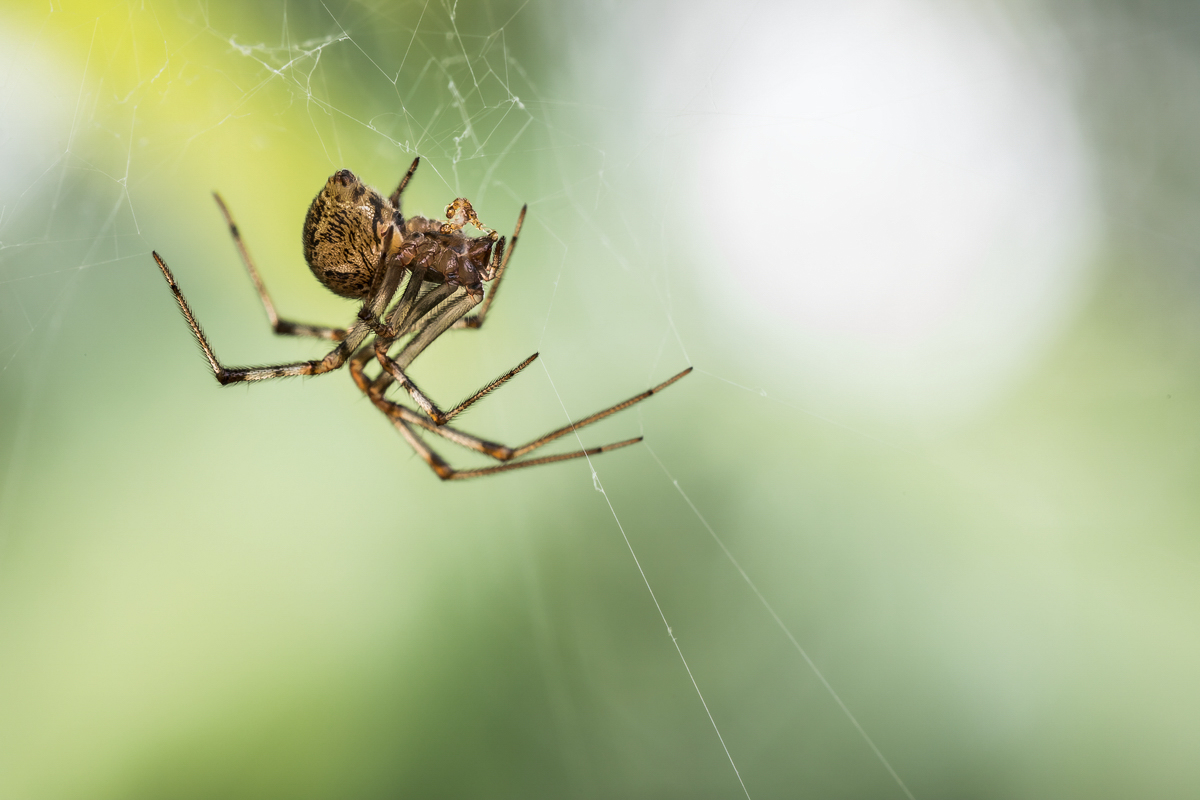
(637, 562)
(782, 626)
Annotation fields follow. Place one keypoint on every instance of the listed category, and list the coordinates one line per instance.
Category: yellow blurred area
(922, 522)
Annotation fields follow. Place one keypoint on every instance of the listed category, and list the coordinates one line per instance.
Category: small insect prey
(359, 245)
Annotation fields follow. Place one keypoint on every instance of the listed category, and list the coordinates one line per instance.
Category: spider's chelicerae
(359, 245)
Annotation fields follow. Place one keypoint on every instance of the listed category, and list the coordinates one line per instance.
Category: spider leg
(404, 307)
(428, 327)
(395, 411)
(448, 473)
(432, 316)
(475, 321)
(395, 198)
(488, 388)
(404, 419)
(402, 312)
(282, 327)
(599, 415)
(358, 363)
(427, 405)
(355, 336)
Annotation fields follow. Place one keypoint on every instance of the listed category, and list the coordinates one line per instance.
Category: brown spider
(358, 244)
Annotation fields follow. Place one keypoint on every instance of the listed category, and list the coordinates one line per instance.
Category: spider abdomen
(344, 233)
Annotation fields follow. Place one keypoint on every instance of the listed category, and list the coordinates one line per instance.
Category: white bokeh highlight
(910, 183)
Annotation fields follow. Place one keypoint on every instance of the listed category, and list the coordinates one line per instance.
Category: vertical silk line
(600, 488)
(786, 631)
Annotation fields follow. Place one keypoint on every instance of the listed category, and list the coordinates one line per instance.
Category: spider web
(262, 590)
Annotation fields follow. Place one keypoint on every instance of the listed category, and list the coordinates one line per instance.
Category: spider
(359, 245)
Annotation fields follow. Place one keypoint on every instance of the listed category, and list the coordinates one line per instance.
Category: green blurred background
(934, 264)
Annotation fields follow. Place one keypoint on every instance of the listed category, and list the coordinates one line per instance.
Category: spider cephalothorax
(450, 254)
(359, 246)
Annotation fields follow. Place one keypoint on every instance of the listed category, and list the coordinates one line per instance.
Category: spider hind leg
(405, 420)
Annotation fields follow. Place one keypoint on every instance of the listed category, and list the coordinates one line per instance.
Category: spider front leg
(437, 415)
(281, 326)
(429, 318)
(367, 319)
